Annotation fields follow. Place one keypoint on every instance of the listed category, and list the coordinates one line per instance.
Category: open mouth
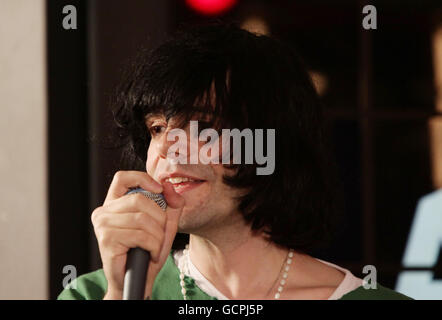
(183, 184)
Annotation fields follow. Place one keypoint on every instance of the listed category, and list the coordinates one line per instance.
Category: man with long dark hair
(249, 235)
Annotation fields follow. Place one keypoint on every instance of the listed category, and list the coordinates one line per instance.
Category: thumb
(174, 200)
(175, 204)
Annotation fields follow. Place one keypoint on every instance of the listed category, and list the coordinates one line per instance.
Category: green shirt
(93, 286)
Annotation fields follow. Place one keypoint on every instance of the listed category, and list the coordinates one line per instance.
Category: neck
(240, 264)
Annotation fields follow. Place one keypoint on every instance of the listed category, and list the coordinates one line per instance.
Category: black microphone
(138, 259)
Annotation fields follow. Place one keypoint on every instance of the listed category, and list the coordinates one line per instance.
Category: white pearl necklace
(183, 264)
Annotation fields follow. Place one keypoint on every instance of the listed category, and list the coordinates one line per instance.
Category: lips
(182, 183)
(178, 180)
(186, 186)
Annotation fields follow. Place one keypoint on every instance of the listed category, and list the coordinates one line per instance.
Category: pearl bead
(277, 295)
(282, 282)
(291, 254)
(287, 268)
(280, 289)
(289, 261)
(285, 275)
(183, 290)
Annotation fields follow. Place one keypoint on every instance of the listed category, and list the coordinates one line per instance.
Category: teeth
(178, 180)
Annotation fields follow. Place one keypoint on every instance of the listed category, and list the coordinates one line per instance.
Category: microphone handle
(136, 272)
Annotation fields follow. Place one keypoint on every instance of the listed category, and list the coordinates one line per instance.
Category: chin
(191, 210)
(193, 217)
(196, 197)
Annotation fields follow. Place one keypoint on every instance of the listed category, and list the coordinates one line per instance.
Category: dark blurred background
(382, 90)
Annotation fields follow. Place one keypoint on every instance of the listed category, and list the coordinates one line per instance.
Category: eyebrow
(152, 114)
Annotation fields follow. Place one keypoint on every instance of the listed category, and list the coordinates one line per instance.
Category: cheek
(152, 160)
(223, 190)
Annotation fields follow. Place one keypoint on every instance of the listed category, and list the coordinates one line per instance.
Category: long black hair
(246, 81)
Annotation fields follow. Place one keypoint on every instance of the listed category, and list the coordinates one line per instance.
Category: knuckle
(142, 237)
(95, 215)
(139, 218)
(104, 238)
(102, 221)
(137, 200)
(118, 176)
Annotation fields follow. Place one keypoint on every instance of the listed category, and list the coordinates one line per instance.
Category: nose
(162, 146)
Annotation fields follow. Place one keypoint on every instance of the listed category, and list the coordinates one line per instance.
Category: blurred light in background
(435, 124)
(437, 63)
(320, 82)
(211, 7)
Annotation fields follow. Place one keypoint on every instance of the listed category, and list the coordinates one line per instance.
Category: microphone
(138, 259)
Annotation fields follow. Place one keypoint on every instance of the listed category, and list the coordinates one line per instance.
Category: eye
(156, 130)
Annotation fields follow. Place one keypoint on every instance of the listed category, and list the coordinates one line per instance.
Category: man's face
(209, 203)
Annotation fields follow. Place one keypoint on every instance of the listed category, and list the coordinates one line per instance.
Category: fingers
(131, 221)
(115, 242)
(136, 203)
(123, 180)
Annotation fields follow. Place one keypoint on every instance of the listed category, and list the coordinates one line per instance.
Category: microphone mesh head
(157, 197)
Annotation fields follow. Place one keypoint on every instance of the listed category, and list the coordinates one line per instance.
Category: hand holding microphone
(137, 262)
(127, 221)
